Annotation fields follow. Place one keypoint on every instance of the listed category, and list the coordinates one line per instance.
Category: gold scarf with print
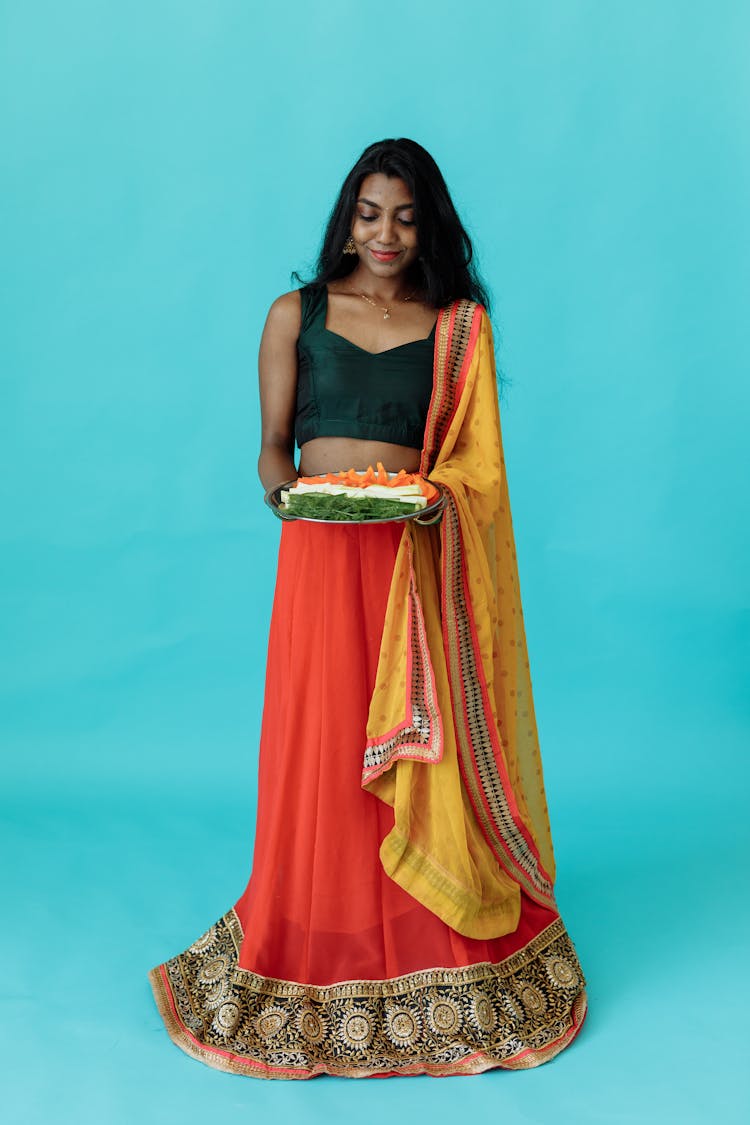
(452, 744)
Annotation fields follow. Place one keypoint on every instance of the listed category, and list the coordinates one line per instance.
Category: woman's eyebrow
(401, 206)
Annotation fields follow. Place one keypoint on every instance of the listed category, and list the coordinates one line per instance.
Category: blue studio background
(164, 167)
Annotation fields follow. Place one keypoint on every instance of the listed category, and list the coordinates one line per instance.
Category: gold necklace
(386, 308)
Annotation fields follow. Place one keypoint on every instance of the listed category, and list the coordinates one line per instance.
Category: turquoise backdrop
(164, 167)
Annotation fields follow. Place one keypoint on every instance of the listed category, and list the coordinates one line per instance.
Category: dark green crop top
(345, 391)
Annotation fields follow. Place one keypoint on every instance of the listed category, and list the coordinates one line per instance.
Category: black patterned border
(514, 1014)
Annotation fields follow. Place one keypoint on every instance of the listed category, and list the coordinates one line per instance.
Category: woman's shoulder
(285, 314)
(287, 305)
(468, 320)
(467, 303)
(468, 309)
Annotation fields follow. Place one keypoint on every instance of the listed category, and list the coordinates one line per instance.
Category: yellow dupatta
(452, 744)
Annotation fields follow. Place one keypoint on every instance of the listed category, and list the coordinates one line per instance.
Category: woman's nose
(385, 233)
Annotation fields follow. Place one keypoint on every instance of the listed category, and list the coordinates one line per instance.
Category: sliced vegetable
(354, 496)
(352, 479)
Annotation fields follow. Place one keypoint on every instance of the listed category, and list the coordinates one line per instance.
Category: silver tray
(432, 513)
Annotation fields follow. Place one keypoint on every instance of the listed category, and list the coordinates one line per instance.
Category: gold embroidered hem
(515, 1014)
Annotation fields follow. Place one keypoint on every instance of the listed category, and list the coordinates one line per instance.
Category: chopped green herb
(319, 506)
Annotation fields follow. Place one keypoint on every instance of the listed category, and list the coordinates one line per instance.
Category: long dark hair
(445, 269)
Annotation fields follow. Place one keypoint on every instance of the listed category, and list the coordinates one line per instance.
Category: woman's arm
(277, 367)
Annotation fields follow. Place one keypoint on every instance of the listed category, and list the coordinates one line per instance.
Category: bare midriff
(333, 454)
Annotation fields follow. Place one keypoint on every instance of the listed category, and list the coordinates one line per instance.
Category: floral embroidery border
(514, 1014)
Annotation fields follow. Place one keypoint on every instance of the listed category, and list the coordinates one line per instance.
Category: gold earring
(349, 247)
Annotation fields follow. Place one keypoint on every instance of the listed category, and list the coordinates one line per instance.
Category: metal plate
(432, 513)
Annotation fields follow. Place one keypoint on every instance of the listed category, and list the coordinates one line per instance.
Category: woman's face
(383, 226)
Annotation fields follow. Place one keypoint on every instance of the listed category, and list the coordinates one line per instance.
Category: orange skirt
(325, 965)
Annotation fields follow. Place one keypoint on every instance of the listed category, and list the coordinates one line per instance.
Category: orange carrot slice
(428, 490)
(350, 478)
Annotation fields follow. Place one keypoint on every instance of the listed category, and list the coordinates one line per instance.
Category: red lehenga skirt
(325, 965)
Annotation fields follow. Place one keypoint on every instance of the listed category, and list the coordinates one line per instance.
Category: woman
(400, 916)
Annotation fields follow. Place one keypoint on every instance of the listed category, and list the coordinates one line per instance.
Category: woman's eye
(366, 218)
(407, 222)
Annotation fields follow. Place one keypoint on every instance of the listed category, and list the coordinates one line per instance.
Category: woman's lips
(384, 255)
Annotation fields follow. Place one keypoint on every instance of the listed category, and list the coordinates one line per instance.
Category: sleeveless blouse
(345, 391)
